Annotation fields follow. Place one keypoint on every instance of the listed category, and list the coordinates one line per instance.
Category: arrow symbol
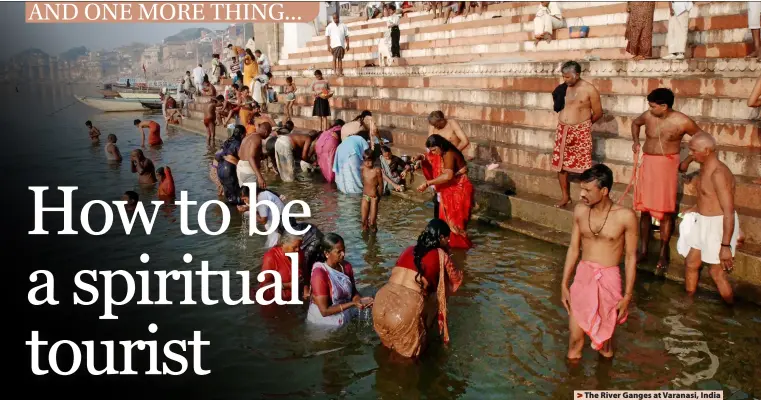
(578, 395)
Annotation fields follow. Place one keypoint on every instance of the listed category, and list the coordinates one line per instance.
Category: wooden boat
(139, 96)
(112, 105)
(151, 105)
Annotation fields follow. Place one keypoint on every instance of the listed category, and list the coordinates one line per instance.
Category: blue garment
(347, 164)
(226, 171)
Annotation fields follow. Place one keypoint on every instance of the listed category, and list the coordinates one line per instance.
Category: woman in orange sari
(166, 185)
(416, 293)
(250, 69)
(445, 168)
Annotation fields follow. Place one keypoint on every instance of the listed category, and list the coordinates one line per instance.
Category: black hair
(571, 64)
(220, 97)
(258, 51)
(363, 114)
(318, 72)
(244, 87)
(137, 121)
(662, 96)
(229, 45)
(289, 125)
(368, 155)
(445, 145)
(132, 196)
(599, 173)
(392, 7)
(249, 52)
(385, 149)
(160, 171)
(239, 132)
(269, 75)
(88, 123)
(235, 85)
(328, 242)
(429, 240)
(289, 79)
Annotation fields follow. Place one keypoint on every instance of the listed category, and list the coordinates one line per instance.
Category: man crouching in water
(602, 231)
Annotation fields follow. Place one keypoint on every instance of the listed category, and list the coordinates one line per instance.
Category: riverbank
(512, 212)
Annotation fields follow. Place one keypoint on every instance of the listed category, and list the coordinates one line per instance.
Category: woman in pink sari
(325, 148)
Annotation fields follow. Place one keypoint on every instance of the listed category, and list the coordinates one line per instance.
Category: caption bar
(155, 11)
(648, 394)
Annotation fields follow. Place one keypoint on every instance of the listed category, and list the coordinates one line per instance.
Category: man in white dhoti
(284, 158)
(679, 23)
(548, 18)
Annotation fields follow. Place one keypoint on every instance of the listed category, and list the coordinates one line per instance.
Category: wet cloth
(276, 260)
(284, 158)
(110, 156)
(325, 148)
(573, 147)
(245, 173)
(166, 187)
(400, 314)
(655, 191)
(264, 211)
(595, 293)
(455, 200)
(154, 133)
(339, 286)
(639, 28)
(226, 171)
(705, 233)
(390, 169)
(347, 164)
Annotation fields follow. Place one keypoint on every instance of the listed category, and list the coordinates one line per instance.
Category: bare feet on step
(563, 203)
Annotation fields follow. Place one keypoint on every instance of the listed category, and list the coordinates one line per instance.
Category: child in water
(94, 132)
(372, 180)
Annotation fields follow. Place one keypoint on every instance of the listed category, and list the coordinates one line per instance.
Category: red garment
(456, 200)
(166, 188)
(154, 133)
(320, 281)
(573, 147)
(657, 183)
(171, 103)
(430, 264)
(276, 260)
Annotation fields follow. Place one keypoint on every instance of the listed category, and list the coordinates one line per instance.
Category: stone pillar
(269, 38)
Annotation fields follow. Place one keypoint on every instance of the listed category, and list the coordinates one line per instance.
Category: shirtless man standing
(146, 172)
(251, 154)
(94, 132)
(573, 138)
(210, 121)
(655, 193)
(713, 236)
(603, 231)
(448, 129)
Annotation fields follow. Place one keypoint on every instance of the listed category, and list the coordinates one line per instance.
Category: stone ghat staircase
(485, 73)
(717, 30)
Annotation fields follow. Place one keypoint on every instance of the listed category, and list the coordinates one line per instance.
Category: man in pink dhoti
(602, 231)
(580, 108)
(657, 176)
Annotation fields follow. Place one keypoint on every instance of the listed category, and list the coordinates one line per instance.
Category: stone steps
(687, 86)
(705, 106)
(506, 68)
(741, 133)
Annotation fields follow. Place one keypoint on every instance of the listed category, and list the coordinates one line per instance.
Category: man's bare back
(607, 247)
(302, 148)
(581, 100)
(712, 177)
(145, 170)
(210, 112)
(663, 136)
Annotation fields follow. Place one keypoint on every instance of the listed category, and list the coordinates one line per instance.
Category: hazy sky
(57, 38)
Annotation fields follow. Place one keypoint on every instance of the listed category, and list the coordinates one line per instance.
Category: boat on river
(116, 104)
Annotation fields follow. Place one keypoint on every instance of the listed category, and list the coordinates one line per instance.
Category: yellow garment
(250, 70)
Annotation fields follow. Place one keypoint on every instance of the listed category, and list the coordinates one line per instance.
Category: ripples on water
(508, 328)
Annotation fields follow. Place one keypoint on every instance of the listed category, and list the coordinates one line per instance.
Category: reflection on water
(508, 327)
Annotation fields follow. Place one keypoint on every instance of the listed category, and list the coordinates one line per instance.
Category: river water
(508, 328)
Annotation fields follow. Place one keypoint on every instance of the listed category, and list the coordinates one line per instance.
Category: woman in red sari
(275, 259)
(406, 308)
(445, 168)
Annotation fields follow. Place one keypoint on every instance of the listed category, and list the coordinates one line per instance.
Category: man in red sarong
(602, 232)
(657, 176)
(573, 140)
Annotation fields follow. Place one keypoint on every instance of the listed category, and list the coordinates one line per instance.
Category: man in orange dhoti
(603, 231)
(656, 178)
(579, 108)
